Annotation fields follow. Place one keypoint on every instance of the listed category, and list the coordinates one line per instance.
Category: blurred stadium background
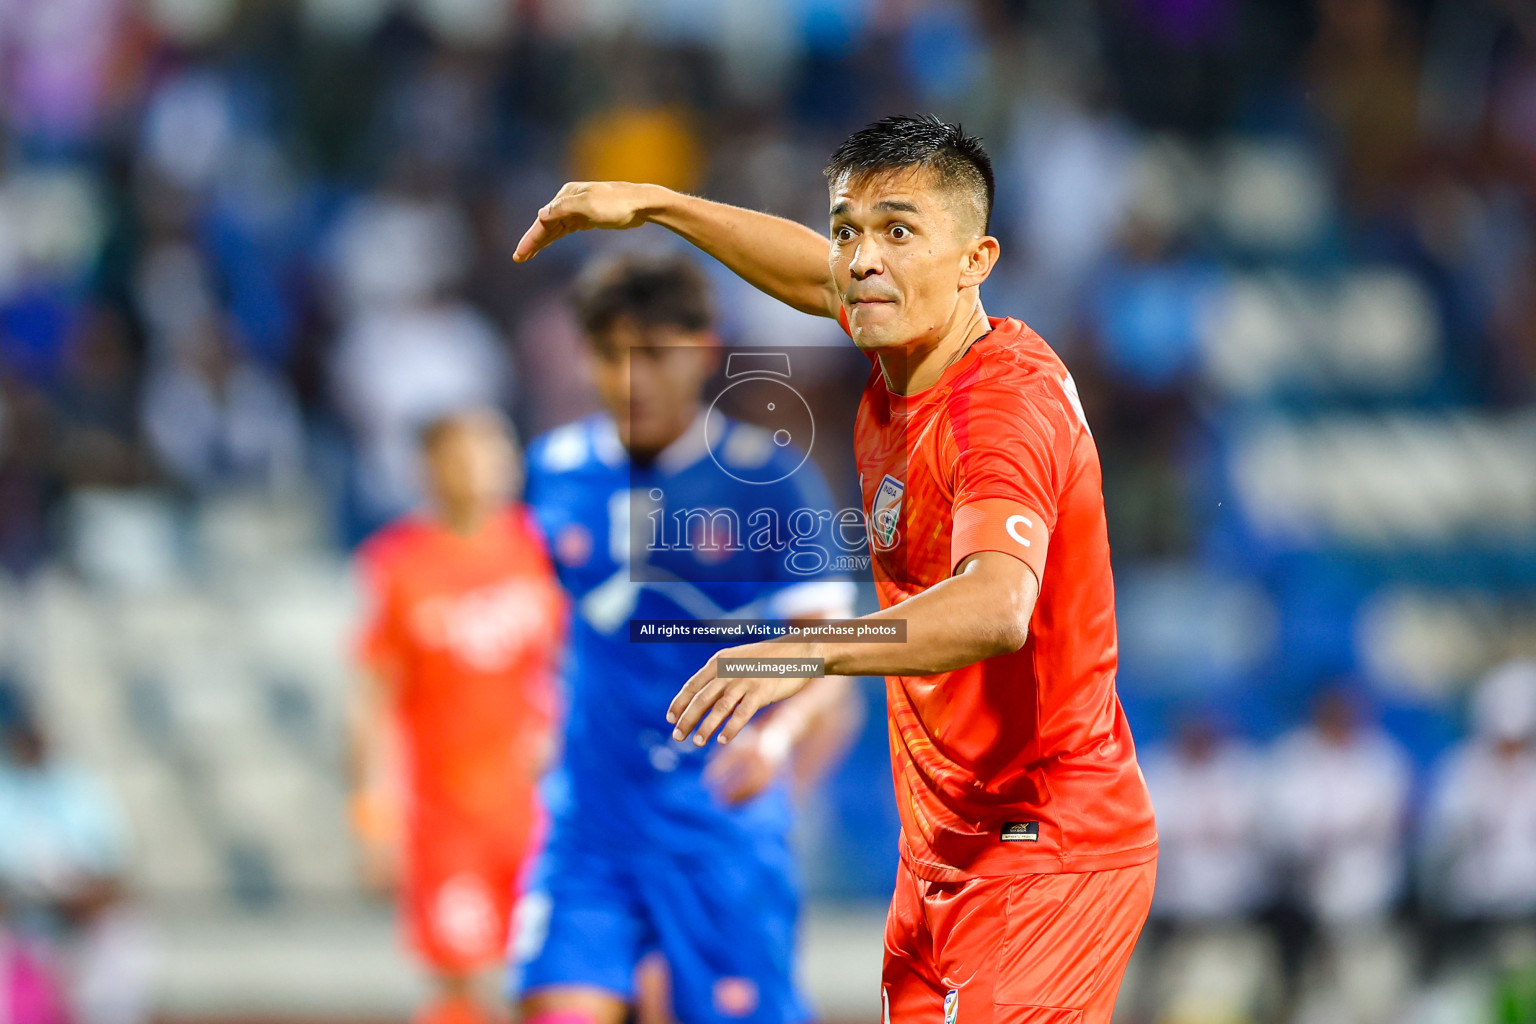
(1288, 249)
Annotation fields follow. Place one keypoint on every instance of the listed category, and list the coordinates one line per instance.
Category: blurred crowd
(253, 244)
(1287, 248)
(1333, 876)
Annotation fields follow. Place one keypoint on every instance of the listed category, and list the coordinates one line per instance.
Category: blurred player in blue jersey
(657, 846)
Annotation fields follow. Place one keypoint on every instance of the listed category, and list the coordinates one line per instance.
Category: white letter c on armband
(1012, 527)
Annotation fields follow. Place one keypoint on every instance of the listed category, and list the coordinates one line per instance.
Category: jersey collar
(606, 444)
(691, 446)
(1002, 330)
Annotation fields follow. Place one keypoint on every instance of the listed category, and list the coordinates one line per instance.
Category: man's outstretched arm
(787, 260)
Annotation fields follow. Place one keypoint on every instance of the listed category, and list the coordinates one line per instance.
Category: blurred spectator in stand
(551, 355)
(26, 452)
(1212, 877)
(1336, 821)
(1071, 166)
(1341, 788)
(217, 419)
(1364, 64)
(1210, 809)
(59, 65)
(63, 851)
(1178, 61)
(1141, 314)
(1479, 836)
(636, 143)
(1512, 255)
(411, 349)
(97, 406)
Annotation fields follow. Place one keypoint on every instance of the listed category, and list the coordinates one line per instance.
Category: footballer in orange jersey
(454, 721)
(1028, 846)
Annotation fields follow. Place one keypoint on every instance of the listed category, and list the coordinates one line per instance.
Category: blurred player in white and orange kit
(454, 719)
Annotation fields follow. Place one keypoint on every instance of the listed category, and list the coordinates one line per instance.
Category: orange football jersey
(1021, 763)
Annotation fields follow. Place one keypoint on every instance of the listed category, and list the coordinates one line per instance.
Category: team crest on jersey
(885, 512)
(951, 1005)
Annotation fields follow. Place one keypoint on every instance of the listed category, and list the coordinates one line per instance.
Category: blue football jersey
(727, 522)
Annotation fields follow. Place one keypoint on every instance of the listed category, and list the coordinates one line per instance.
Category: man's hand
(749, 765)
(706, 701)
(785, 259)
(376, 824)
(580, 205)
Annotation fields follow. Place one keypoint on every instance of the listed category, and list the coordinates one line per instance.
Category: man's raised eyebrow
(884, 205)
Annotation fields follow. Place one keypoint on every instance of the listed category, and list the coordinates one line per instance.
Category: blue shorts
(725, 923)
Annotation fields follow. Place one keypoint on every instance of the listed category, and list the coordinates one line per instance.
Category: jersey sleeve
(1004, 473)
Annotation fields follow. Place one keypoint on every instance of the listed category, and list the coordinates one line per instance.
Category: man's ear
(980, 257)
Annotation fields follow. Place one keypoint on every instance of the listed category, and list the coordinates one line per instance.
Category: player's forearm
(977, 614)
(787, 260)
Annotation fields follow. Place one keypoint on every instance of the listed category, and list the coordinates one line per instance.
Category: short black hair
(901, 141)
(652, 289)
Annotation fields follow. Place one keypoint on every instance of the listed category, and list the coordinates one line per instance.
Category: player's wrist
(832, 657)
(374, 816)
(658, 204)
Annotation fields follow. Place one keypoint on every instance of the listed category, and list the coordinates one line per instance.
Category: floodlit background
(1287, 248)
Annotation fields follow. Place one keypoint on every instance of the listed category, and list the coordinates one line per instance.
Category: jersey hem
(1028, 864)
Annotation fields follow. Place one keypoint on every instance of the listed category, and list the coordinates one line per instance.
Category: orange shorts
(459, 889)
(1018, 949)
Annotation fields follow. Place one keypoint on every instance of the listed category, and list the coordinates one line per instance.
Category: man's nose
(866, 261)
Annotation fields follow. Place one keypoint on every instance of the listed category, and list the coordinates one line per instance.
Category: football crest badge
(885, 512)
